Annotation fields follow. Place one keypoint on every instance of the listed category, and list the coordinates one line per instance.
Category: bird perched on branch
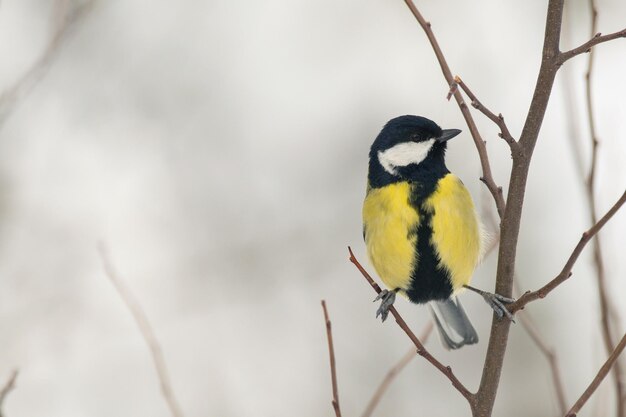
(420, 226)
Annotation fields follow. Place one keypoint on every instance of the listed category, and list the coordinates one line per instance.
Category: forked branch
(498, 120)
(487, 176)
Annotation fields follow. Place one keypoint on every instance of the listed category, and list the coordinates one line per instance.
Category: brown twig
(8, 387)
(604, 370)
(394, 371)
(421, 350)
(498, 120)
(487, 176)
(566, 272)
(146, 331)
(607, 334)
(333, 369)
(65, 18)
(548, 351)
(586, 47)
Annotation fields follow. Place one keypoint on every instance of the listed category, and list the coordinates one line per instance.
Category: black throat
(423, 176)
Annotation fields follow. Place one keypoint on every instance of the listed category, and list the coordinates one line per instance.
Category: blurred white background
(219, 148)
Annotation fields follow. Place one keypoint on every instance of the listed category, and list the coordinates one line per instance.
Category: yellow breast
(456, 235)
(387, 220)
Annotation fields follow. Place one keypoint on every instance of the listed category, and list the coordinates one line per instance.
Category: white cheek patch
(404, 154)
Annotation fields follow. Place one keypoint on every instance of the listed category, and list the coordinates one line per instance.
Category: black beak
(447, 134)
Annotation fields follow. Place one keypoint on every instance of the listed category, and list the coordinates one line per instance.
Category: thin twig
(566, 272)
(607, 334)
(421, 350)
(146, 331)
(333, 369)
(8, 387)
(394, 371)
(548, 351)
(586, 47)
(498, 120)
(487, 176)
(604, 370)
(65, 18)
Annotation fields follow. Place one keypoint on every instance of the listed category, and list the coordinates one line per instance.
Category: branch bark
(421, 350)
(333, 369)
(586, 47)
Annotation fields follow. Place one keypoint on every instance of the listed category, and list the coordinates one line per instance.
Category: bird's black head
(408, 148)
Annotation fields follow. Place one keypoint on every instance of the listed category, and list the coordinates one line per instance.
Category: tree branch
(548, 351)
(66, 18)
(8, 387)
(566, 272)
(421, 350)
(333, 369)
(487, 176)
(498, 338)
(607, 334)
(498, 120)
(146, 331)
(586, 47)
(394, 371)
(604, 370)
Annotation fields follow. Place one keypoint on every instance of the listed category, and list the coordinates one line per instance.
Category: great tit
(420, 227)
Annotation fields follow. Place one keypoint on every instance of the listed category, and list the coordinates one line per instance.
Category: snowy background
(219, 149)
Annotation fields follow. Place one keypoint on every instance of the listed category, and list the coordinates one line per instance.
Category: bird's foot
(496, 302)
(388, 298)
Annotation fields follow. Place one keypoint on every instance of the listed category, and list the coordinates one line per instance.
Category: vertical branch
(8, 386)
(146, 331)
(604, 370)
(498, 337)
(333, 369)
(607, 336)
(394, 371)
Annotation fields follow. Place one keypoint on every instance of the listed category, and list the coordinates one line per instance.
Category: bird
(420, 227)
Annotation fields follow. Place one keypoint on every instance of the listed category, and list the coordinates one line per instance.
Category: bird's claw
(388, 298)
(497, 301)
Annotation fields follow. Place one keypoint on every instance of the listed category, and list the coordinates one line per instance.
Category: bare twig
(65, 17)
(146, 331)
(586, 47)
(394, 371)
(498, 120)
(333, 369)
(421, 350)
(607, 335)
(566, 272)
(604, 370)
(548, 351)
(487, 176)
(8, 386)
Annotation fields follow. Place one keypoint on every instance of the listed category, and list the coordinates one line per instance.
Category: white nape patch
(404, 154)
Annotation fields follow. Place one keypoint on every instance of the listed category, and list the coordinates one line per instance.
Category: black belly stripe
(429, 281)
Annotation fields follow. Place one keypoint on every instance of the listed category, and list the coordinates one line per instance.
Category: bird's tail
(455, 329)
